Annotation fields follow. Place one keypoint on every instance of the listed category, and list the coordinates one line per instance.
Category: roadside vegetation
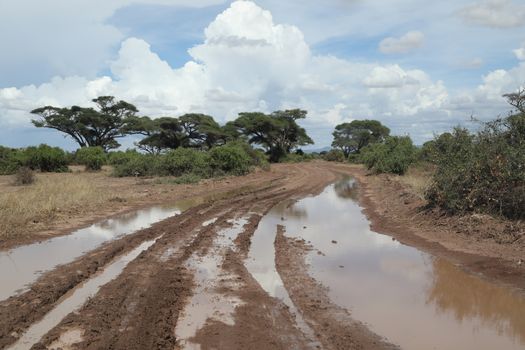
(192, 145)
(45, 200)
(458, 171)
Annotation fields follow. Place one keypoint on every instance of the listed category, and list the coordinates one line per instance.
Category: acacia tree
(352, 137)
(91, 127)
(161, 134)
(190, 130)
(517, 100)
(202, 131)
(278, 133)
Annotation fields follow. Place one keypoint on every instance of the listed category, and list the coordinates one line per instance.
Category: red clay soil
(140, 308)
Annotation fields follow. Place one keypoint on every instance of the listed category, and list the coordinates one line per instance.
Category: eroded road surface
(286, 263)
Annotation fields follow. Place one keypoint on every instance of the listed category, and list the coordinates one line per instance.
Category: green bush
(230, 159)
(393, 156)
(9, 161)
(483, 172)
(44, 158)
(334, 155)
(257, 156)
(233, 158)
(185, 160)
(119, 157)
(138, 165)
(93, 158)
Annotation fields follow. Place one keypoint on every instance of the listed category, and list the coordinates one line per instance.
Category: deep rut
(140, 308)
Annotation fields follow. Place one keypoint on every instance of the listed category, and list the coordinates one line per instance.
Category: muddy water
(261, 265)
(413, 299)
(23, 265)
(76, 298)
(207, 303)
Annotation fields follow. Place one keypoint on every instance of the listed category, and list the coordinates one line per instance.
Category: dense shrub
(233, 158)
(138, 165)
(482, 172)
(334, 155)
(93, 158)
(230, 159)
(8, 161)
(257, 156)
(393, 156)
(120, 157)
(44, 158)
(184, 161)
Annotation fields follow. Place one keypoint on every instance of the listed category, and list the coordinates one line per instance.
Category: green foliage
(185, 160)
(234, 158)
(190, 130)
(137, 165)
(482, 172)
(393, 156)
(44, 158)
(334, 155)
(92, 127)
(119, 157)
(278, 133)
(230, 159)
(257, 156)
(93, 158)
(431, 150)
(9, 160)
(352, 137)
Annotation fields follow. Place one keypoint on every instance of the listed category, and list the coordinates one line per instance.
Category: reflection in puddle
(206, 302)
(413, 299)
(76, 298)
(23, 265)
(261, 259)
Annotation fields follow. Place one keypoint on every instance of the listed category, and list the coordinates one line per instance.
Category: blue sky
(421, 68)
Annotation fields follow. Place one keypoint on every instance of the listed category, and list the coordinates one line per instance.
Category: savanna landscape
(180, 228)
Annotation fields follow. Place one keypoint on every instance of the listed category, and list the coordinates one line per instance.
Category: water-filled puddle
(261, 264)
(76, 298)
(21, 266)
(207, 303)
(413, 299)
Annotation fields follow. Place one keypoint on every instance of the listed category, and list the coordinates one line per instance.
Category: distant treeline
(482, 171)
(277, 133)
(192, 145)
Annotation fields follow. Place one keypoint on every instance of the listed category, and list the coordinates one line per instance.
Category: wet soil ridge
(333, 325)
(136, 294)
(194, 285)
(393, 288)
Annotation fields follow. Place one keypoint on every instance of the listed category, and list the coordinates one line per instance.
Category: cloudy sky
(420, 67)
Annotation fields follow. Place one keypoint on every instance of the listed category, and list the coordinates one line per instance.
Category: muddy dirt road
(285, 262)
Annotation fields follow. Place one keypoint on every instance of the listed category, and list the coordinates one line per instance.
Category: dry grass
(49, 197)
(418, 178)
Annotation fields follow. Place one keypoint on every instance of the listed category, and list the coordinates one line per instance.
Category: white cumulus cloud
(248, 62)
(495, 13)
(408, 42)
(520, 53)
